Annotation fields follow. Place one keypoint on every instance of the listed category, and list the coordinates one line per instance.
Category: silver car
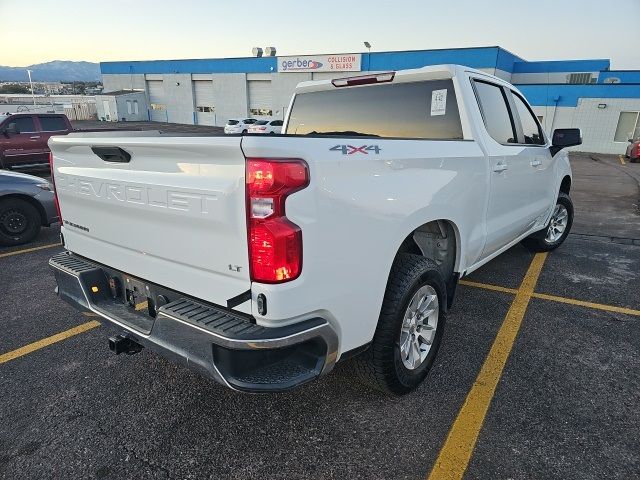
(26, 204)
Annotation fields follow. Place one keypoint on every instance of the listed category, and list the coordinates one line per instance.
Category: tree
(14, 88)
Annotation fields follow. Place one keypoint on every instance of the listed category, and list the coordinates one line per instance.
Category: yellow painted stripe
(487, 286)
(555, 298)
(27, 250)
(621, 160)
(582, 303)
(456, 452)
(45, 342)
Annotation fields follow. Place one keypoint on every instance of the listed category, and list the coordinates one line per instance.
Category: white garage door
(157, 101)
(205, 107)
(260, 101)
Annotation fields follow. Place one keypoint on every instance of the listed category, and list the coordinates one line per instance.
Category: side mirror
(565, 137)
(631, 140)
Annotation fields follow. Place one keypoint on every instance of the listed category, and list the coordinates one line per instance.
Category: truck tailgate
(174, 214)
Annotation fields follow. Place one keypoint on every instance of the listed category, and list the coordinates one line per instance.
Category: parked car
(633, 150)
(345, 237)
(26, 204)
(267, 127)
(24, 137)
(238, 125)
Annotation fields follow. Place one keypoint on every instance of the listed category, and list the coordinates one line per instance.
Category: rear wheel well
(435, 240)
(565, 186)
(38, 206)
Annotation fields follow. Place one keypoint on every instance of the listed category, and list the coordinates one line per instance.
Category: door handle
(536, 162)
(35, 137)
(500, 167)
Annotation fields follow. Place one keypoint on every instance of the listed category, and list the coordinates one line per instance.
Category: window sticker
(438, 102)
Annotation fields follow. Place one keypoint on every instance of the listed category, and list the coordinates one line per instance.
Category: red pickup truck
(24, 137)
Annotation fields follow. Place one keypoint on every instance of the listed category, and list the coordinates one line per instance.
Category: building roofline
(486, 47)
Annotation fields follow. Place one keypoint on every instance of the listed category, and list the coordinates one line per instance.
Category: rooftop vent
(257, 52)
(270, 51)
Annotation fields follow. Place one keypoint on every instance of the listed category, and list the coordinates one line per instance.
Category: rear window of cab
(416, 110)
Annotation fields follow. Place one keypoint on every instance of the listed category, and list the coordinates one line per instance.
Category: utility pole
(33, 97)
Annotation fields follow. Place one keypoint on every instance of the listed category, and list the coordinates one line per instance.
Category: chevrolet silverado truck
(261, 261)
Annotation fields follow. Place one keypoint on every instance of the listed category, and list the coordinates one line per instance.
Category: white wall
(598, 124)
(230, 96)
(282, 86)
(117, 82)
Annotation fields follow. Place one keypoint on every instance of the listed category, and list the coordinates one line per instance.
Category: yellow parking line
(456, 452)
(582, 303)
(487, 286)
(45, 342)
(621, 159)
(27, 250)
(554, 298)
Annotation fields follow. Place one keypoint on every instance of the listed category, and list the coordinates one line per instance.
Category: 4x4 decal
(350, 149)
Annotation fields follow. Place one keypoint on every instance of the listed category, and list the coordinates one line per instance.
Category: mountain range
(56, 71)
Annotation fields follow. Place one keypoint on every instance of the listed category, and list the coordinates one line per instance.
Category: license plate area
(138, 296)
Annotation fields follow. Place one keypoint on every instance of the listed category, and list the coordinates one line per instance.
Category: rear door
(49, 125)
(22, 149)
(509, 213)
(174, 214)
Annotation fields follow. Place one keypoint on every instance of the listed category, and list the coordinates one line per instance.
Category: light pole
(368, 46)
(33, 97)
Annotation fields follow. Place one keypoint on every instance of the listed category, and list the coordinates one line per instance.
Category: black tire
(537, 242)
(244, 131)
(381, 366)
(19, 222)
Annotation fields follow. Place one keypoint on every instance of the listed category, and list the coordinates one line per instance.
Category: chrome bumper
(217, 342)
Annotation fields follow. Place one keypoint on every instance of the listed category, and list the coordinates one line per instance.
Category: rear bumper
(220, 343)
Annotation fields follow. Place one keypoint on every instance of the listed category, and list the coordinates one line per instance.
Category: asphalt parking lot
(538, 377)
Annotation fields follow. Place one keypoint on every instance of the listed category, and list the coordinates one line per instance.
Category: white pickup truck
(263, 260)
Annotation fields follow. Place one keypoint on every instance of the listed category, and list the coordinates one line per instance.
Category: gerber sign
(348, 62)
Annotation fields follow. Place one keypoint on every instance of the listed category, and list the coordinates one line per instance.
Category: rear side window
(421, 110)
(52, 124)
(530, 128)
(276, 123)
(495, 112)
(23, 124)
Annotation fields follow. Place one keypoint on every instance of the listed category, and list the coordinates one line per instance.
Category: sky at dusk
(43, 30)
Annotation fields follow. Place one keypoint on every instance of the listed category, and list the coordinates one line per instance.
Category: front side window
(418, 110)
(276, 123)
(23, 125)
(530, 128)
(495, 112)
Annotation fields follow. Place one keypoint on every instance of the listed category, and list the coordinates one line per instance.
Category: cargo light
(55, 193)
(364, 79)
(275, 243)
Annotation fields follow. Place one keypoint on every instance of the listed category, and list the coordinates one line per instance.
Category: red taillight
(275, 243)
(55, 193)
(363, 79)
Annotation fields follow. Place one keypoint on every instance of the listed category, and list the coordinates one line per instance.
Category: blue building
(605, 103)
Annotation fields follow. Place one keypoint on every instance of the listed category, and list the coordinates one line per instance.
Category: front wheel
(19, 222)
(557, 230)
(410, 327)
